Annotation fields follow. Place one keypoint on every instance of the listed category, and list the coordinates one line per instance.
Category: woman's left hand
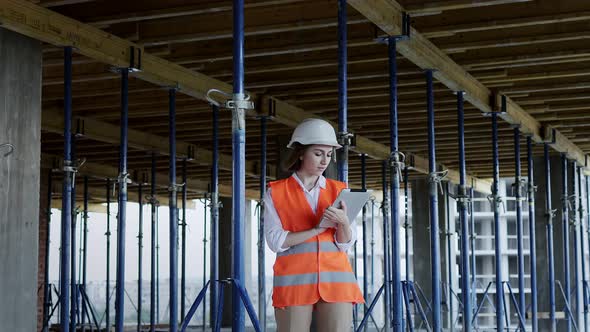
(337, 216)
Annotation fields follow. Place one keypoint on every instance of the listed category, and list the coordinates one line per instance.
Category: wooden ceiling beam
(433, 8)
(387, 15)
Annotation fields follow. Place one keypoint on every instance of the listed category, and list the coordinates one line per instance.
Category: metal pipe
(434, 227)
(497, 238)
(473, 257)
(550, 260)
(386, 275)
(66, 207)
(462, 195)
(238, 156)
(577, 243)
(261, 243)
(122, 204)
(566, 238)
(448, 235)
(46, 285)
(365, 235)
(214, 274)
(519, 224)
(532, 240)
(396, 174)
(342, 90)
(73, 282)
(173, 213)
(108, 253)
(140, 255)
(407, 222)
(372, 287)
(582, 252)
(183, 245)
(153, 246)
(204, 260)
(85, 246)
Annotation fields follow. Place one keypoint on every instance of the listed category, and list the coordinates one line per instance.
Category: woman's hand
(337, 216)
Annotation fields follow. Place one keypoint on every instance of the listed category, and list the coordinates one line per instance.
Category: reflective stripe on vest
(309, 247)
(312, 278)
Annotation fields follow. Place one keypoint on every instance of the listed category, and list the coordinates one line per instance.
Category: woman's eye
(318, 154)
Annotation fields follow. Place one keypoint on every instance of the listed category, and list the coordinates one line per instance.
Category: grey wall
(20, 125)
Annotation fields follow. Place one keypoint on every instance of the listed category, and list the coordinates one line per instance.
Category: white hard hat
(314, 131)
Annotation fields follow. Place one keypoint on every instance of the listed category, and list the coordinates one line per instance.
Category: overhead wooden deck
(536, 52)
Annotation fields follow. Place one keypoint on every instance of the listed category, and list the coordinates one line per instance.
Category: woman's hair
(293, 161)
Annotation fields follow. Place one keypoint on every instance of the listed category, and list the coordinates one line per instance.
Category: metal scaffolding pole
(496, 201)
(140, 255)
(85, 252)
(214, 274)
(473, 235)
(550, 213)
(183, 245)
(518, 196)
(463, 199)
(173, 213)
(365, 236)
(434, 180)
(532, 240)
(46, 286)
(582, 252)
(342, 92)
(407, 222)
(238, 169)
(153, 205)
(66, 207)
(396, 165)
(108, 258)
(73, 282)
(577, 242)
(566, 239)
(122, 204)
(261, 243)
(386, 275)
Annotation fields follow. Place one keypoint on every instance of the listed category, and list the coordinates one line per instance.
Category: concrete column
(541, 234)
(20, 125)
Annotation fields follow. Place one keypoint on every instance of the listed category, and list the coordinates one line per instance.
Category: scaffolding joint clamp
(174, 187)
(436, 178)
(496, 201)
(550, 214)
(134, 61)
(346, 139)
(124, 178)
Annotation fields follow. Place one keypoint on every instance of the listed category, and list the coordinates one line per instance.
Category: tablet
(354, 199)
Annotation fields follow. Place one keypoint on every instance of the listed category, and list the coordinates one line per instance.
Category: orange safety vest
(315, 269)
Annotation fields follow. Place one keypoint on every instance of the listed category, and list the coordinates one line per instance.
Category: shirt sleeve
(274, 233)
(345, 246)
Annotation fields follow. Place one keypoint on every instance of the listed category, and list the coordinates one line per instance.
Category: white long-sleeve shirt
(274, 232)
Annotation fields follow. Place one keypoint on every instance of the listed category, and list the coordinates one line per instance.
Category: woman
(312, 271)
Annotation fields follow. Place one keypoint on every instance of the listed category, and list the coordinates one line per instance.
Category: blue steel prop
(243, 298)
(261, 243)
(108, 258)
(204, 258)
(74, 281)
(122, 204)
(496, 201)
(532, 241)
(183, 244)
(447, 287)
(238, 169)
(173, 213)
(473, 235)
(396, 161)
(140, 255)
(365, 319)
(434, 180)
(365, 235)
(214, 217)
(573, 219)
(518, 197)
(66, 208)
(411, 296)
(153, 204)
(386, 252)
(407, 221)
(344, 136)
(372, 280)
(463, 200)
(46, 285)
(85, 246)
(581, 239)
(587, 195)
(88, 307)
(566, 240)
(485, 298)
(516, 304)
(550, 214)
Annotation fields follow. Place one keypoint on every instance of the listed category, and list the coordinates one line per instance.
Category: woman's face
(315, 160)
